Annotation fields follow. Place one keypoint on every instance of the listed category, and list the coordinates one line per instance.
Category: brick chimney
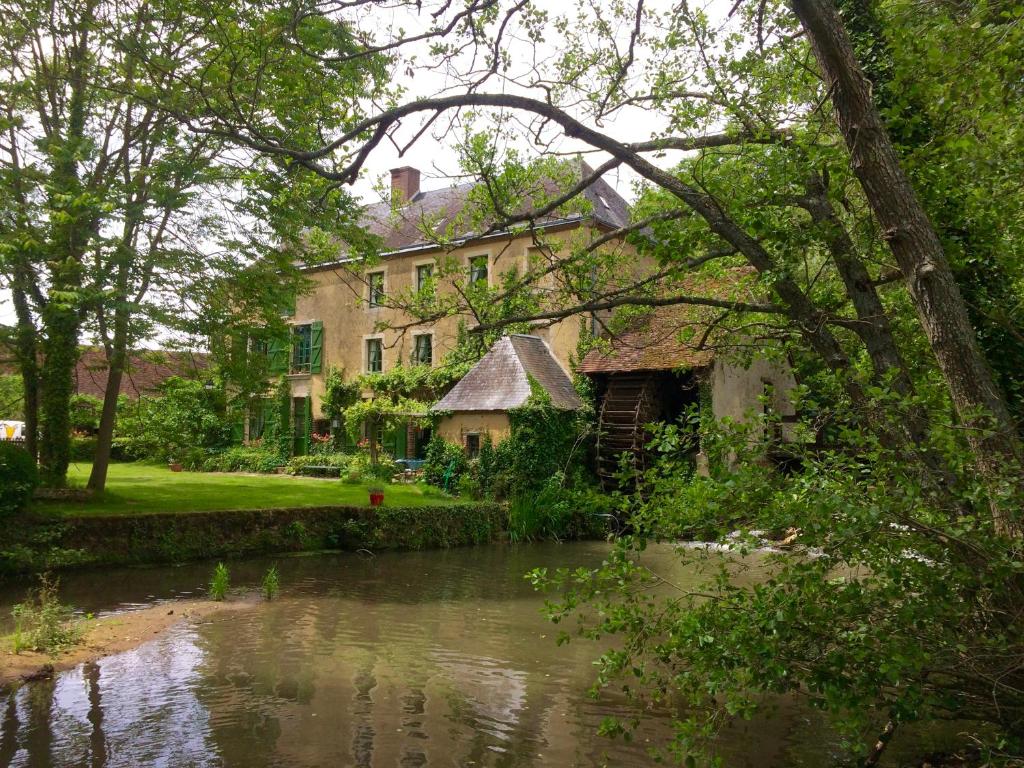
(405, 184)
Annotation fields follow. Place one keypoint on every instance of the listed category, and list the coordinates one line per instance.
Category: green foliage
(354, 467)
(426, 519)
(560, 510)
(543, 442)
(12, 397)
(83, 447)
(85, 413)
(220, 583)
(243, 458)
(444, 464)
(339, 395)
(271, 583)
(42, 623)
(183, 417)
(888, 607)
(18, 478)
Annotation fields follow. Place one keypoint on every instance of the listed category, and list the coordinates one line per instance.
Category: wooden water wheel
(630, 402)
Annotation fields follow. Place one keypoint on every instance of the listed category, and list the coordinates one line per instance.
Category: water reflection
(416, 659)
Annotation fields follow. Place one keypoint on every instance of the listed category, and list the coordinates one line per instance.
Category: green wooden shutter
(277, 356)
(238, 427)
(316, 347)
(309, 423)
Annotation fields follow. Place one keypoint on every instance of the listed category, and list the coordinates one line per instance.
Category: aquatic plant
(42, 623)
(271, 584)
(220, 582)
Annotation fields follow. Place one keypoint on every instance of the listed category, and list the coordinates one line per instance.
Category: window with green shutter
(316, 347)
(302, 348)
(277, 356)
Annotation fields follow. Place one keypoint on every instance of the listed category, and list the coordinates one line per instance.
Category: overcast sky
(433, 154)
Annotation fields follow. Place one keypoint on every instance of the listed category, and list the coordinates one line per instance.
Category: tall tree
(123, 224)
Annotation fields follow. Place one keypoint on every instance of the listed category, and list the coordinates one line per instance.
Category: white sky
(435, 156)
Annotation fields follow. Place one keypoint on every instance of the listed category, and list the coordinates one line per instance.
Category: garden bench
(321, 470)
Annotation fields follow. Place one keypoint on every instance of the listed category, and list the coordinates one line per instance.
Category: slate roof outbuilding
(501, 380)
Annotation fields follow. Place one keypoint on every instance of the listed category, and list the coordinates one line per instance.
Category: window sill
(298, 375)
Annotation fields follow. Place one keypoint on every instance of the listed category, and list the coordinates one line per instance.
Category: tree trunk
(915, 245)
(61, 317)
(108, 420)
(117, 359)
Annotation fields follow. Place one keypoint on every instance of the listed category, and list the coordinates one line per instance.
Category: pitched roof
(438, 210)
(147, 370)
(669, 338)
(501, 380)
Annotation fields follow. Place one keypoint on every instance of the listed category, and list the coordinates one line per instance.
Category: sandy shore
(110, 635)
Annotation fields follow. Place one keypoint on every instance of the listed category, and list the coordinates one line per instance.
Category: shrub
(243, 458)
(42, 623)
(18, 478)
(560, 510)
(300, 465)
(220, 582)
(85, 413)
(186, 416)
(445, 463)
(83, 447)
(271, 584)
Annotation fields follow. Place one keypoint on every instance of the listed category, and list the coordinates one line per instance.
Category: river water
(438, 658)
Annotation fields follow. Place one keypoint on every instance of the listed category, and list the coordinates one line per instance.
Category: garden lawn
(147, 489)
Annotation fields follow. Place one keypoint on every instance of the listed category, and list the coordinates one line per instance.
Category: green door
(301, 419)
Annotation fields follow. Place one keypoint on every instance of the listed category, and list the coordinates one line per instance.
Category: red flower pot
(176, 467)
(376, 498)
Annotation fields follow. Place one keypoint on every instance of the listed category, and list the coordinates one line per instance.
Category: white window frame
(490, 266)
(366, 352)
(416, 271)
(416, 335)
(383, 287)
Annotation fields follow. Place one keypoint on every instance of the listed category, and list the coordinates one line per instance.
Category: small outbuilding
(503, 379)
(669, 361)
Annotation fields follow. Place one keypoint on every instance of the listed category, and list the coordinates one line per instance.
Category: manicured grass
(146, 489)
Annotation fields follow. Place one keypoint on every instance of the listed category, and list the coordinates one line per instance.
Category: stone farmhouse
(648, 373)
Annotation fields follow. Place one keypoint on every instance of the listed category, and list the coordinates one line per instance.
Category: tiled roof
(439, 210)
(501, 380)
(669, 338)
(147, 370)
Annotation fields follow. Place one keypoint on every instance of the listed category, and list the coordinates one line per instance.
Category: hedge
(41, 543)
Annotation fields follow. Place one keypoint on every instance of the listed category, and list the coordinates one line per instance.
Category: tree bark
(918, 252)
(61, 316)
(108, 420)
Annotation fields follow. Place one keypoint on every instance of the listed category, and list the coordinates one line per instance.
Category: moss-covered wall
(47, 543)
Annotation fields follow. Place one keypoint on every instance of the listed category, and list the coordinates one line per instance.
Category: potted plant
(376, 496)
(175, 465)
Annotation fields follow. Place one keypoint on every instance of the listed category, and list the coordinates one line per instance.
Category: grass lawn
(148, 489)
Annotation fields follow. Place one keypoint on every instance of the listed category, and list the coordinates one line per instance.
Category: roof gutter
(459, 243)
